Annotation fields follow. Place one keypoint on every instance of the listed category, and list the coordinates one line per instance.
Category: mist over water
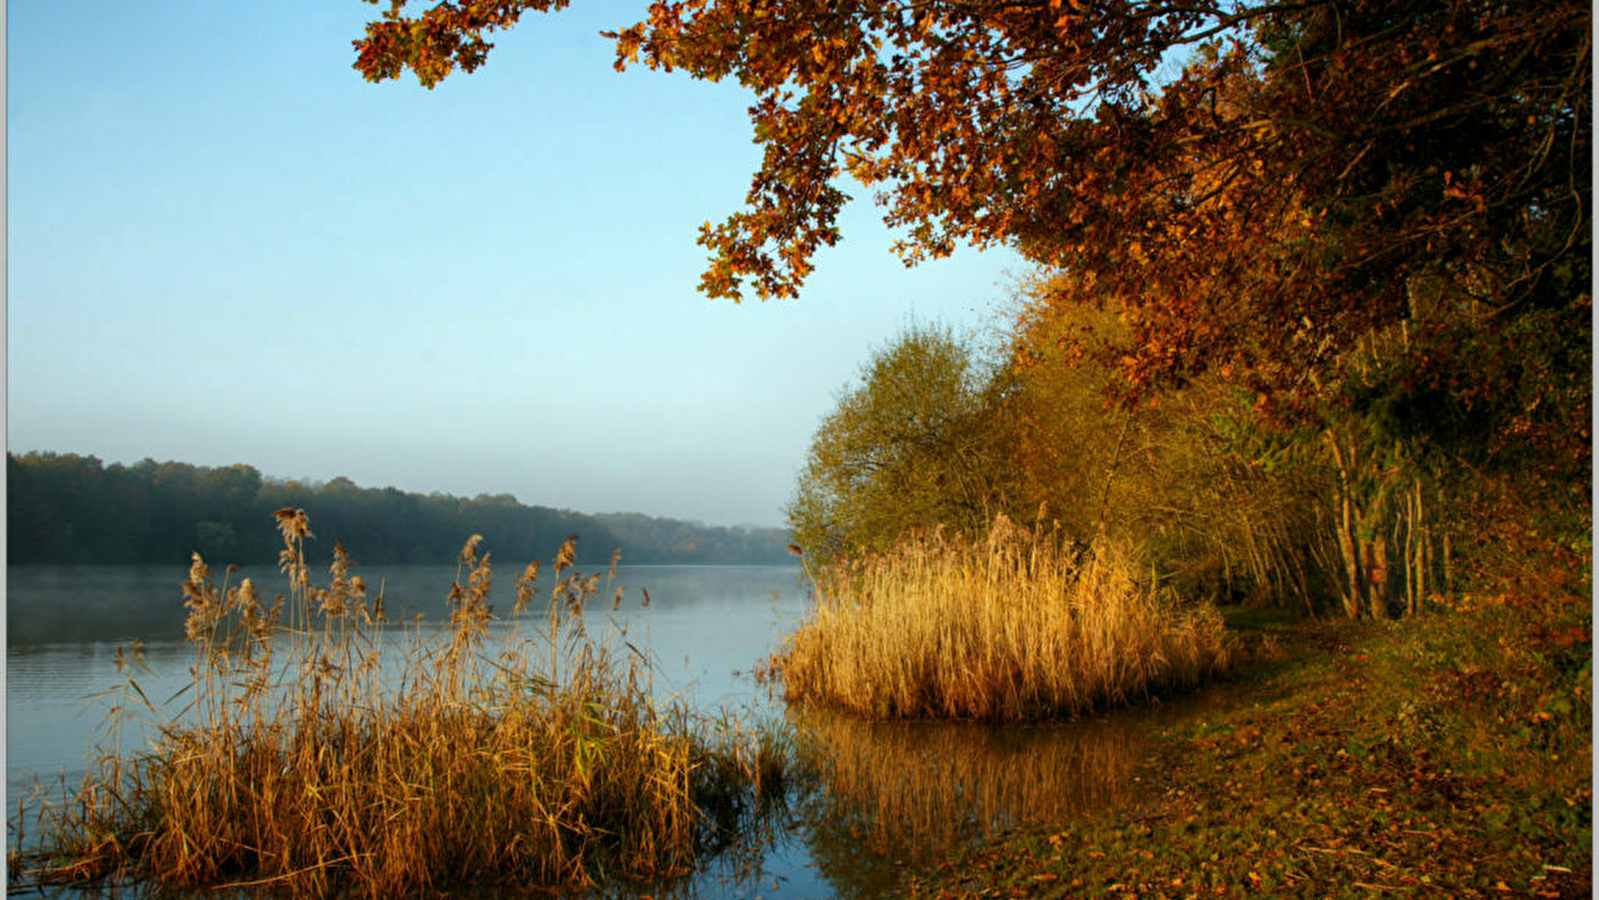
(705, 628)
(880, 799)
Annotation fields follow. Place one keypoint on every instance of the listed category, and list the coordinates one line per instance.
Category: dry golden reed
(310, 761)
(1016, 626)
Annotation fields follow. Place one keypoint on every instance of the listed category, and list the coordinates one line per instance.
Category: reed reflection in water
(916, 790)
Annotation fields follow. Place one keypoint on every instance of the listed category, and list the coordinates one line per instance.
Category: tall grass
(1012, 627)
(313, 759)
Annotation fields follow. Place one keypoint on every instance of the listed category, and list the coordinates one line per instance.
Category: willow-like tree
(907, 449)
(1262, 182)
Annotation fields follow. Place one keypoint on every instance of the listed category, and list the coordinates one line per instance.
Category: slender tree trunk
(1375, 553)
(1407, 552)
(1449, 575)
(1110, 474)
(1348, 546)
(1422, 559)
(1257, 565)
(1301, 578)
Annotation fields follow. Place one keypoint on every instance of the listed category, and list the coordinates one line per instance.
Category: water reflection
(911, 792)
(875, 801)
(62, 604)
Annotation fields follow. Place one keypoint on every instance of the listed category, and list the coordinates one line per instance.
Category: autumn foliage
(1260, 182)
(1342, 245)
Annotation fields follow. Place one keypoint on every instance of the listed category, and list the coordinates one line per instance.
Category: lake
(886, 796)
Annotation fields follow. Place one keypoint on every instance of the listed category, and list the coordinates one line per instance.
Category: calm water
(888, 795)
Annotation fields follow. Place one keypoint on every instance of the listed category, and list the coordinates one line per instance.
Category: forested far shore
(72, 508)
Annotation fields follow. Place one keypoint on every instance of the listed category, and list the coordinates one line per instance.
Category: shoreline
(1364, 761)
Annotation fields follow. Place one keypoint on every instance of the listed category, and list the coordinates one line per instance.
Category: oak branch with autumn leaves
(1256, 183)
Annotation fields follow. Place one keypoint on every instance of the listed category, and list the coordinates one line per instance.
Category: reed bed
(308, 761)
(1015, 626)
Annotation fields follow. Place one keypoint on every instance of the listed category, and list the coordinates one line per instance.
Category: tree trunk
(1348, 546)
(1422, 553)
(1375, 554)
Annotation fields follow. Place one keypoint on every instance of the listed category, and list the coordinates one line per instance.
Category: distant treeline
(67, 508)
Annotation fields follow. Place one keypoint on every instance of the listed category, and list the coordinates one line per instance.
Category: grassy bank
(313, 759)
(1444, 757)
(1013, 627)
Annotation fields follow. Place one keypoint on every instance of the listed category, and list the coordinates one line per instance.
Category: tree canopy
(906, 449)
(1259, 182)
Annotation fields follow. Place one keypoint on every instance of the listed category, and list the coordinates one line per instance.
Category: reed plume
(315, 759)
(1017, 625)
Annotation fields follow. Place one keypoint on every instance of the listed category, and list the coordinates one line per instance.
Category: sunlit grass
(313, 759)
(1450, 755)
(1012, 627)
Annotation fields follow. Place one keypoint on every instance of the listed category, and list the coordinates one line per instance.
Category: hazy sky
(225, 246)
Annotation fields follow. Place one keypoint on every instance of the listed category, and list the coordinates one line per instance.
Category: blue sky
(223, 245)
